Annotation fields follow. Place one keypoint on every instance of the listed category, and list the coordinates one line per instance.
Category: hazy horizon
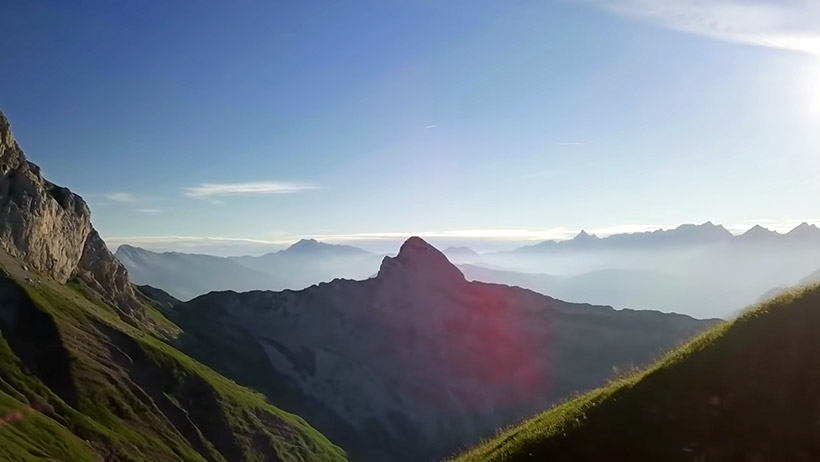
(481, 241)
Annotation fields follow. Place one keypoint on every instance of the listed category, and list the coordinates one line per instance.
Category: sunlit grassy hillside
(79, 383)
(748, 390)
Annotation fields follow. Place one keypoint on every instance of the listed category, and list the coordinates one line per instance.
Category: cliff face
(49, 228)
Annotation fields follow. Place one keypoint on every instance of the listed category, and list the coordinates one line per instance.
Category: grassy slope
(76, 382)
(747, 390)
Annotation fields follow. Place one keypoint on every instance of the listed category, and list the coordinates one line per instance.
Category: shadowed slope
(745, 391)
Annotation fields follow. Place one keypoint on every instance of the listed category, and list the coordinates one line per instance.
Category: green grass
(90, 384)
(745, 390)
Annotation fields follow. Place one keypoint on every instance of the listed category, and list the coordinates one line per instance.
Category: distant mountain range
(303, 264)
(186, 275)
(309, 262)
(416, 362)
(684, 235)
(702, 270)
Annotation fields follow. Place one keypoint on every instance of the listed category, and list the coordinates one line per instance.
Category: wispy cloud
(149, 210)
(209, 190)
(428, 127)
(785, 24)
(120, 197)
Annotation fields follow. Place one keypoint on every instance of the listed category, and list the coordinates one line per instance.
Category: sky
(239, 126)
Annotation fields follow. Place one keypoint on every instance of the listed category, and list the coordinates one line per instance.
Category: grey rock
(49, 228)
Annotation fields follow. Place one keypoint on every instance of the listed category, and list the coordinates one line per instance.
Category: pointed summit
(584, 236)
(758, 232)
(420, 261)
(804, 231)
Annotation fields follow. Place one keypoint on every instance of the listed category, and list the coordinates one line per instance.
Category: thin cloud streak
(120, 197)
(787, 25)
(209, 190)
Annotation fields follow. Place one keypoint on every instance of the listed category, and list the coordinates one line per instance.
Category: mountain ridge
(686, 234)
(399, 357)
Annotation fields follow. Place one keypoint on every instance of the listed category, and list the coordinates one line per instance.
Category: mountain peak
(758, 231)
(305, 244)
(804, 230)
(705, 231)
(585, 236)
(419, 260)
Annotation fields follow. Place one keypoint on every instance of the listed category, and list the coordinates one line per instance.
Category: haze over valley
(699, 270)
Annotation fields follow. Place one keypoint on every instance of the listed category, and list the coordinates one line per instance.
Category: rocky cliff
(49, 228)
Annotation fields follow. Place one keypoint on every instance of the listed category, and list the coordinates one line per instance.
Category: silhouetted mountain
(87, 372)
(417, 361)
(743, 391)
(186, 275)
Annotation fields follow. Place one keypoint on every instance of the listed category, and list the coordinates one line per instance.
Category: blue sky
(491, 122)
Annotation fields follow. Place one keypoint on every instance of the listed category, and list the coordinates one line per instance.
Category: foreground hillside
(86, 370)
(417, 362)
(79, 383)
(746, 391)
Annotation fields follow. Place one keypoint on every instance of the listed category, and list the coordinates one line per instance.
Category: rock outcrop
(49, 228)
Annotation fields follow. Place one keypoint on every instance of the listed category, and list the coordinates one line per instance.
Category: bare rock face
(49, 228)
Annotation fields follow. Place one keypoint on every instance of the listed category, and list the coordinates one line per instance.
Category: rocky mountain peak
(420, 261)
(49, 228)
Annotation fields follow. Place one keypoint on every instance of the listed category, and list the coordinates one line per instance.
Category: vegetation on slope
(747, 390)
(78, 383)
